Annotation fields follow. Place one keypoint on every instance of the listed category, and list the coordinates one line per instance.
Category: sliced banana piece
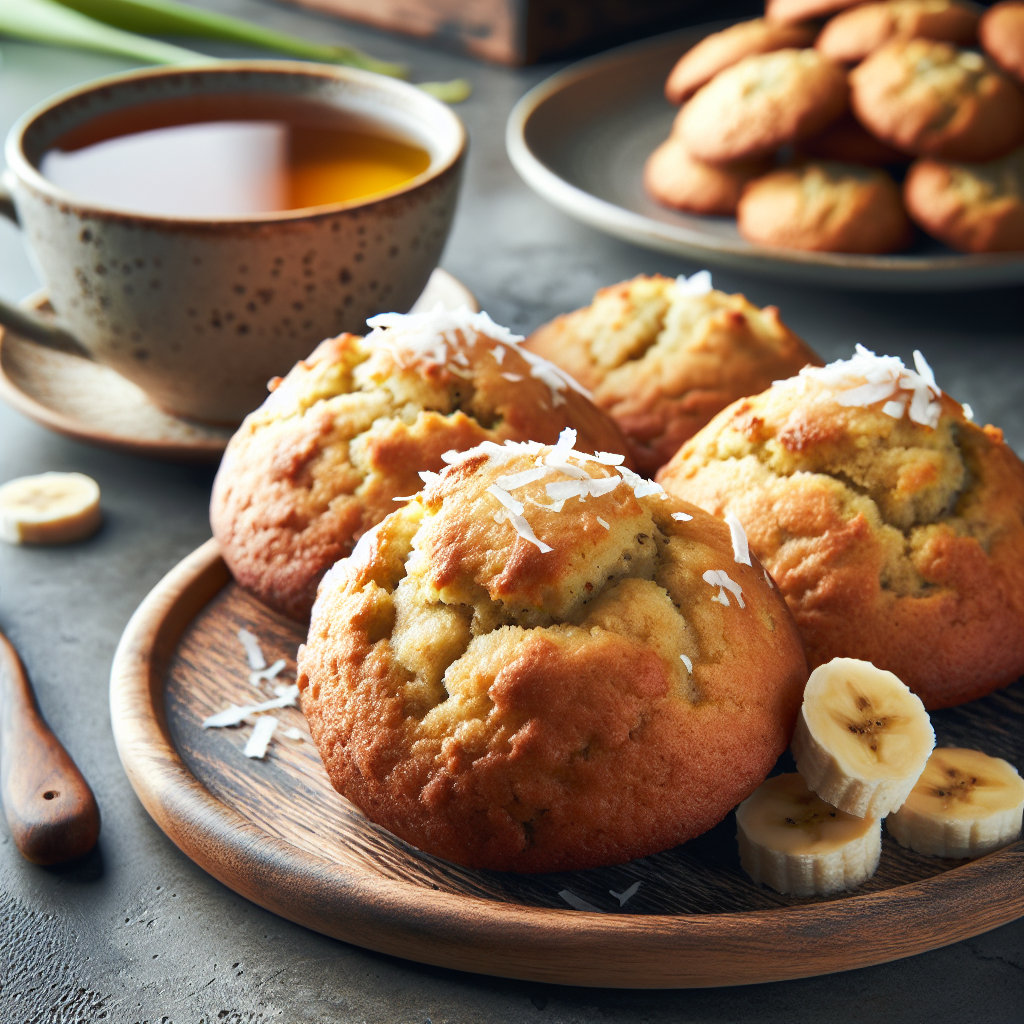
(862, 738)
(51, 508)
(792, 840)
(965, 804)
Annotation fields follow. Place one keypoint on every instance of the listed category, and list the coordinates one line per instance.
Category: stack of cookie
(802, 130)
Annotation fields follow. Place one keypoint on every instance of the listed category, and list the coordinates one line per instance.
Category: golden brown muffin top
(349, 429)
(893, 446)
(515, 669)
(663, 355)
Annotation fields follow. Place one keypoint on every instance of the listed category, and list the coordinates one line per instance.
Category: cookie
(826, 207)
(513, 678)
(1002, 36)
(761, 103)
(351, 427)
(661, 356)
(850, 36)
(848, 141)
(891, 523)
(933, 99)
(970, 207)
(722, 49)
(788, 12)
(674, 178)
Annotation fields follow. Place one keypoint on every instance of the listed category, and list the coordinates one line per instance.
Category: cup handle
(23, 323)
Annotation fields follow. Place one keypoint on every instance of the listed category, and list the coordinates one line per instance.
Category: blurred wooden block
(520, 32)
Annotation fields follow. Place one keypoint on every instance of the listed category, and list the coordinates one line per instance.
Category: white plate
(580, 139)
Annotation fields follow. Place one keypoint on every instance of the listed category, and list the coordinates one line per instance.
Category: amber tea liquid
(215, 156)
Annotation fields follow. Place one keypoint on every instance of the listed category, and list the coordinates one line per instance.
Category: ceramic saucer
(89, 402)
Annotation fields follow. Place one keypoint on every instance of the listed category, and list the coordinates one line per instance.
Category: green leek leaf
(168, 18)
(48, 22)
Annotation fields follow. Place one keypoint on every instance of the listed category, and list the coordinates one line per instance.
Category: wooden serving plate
(277, 833)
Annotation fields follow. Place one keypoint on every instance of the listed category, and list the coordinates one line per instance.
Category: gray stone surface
(136, 932)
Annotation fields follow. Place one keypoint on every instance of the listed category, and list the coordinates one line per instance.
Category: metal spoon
(49, 806)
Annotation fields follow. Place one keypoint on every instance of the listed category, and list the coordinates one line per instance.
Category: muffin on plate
(892, 524)
(1002, 35)
(765, 101)
(721, 50)
(934, 99)
(970, 207)
(543, 662)
(825, 206)
(663, 355)
(351, 427)
(674, 178)
(850, 36)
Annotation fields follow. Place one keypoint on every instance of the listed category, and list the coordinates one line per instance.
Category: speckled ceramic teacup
(200, 312)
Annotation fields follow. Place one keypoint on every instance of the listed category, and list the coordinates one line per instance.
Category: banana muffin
(934, 99)
(970, 207)
(892, 524)
(825, 207)
(721, 50)
(543, 663)
(765, 101)
(349, 429)
(663, 355)
(850, 36)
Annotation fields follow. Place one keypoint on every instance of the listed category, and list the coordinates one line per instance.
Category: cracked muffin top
(893, 525)
(349, 429)
(663, 355)
(544, 662)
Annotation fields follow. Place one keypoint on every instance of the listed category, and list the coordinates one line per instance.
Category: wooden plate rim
(483, 936)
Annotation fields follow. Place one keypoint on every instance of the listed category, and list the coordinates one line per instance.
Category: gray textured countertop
(137, 932)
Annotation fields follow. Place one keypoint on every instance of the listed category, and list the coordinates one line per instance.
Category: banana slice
(792, 840)
(862, 738)
(52, 508)
(965, 804)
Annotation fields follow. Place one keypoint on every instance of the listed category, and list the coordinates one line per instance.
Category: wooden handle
(50, 808)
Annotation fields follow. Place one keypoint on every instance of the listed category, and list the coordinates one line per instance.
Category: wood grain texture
(51, 811)
(275, 831)
(514, 31)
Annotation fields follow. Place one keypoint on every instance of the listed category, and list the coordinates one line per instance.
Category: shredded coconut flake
(267, 674)
(578, 902)
(506, 499)
(428, 477)
(253, 651)
(696, 284)
(681, 517)
(641, 488)
(603, 523)
(867, 378)
(235, 715)
(523, 528)
(521, 479)
(686, 661)
(514, 377)
(258, 742)
(720, 578)
(768, 578)
(968, 412)
(499, 354)
(293, 734)
(740, 550)
(624, 896)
